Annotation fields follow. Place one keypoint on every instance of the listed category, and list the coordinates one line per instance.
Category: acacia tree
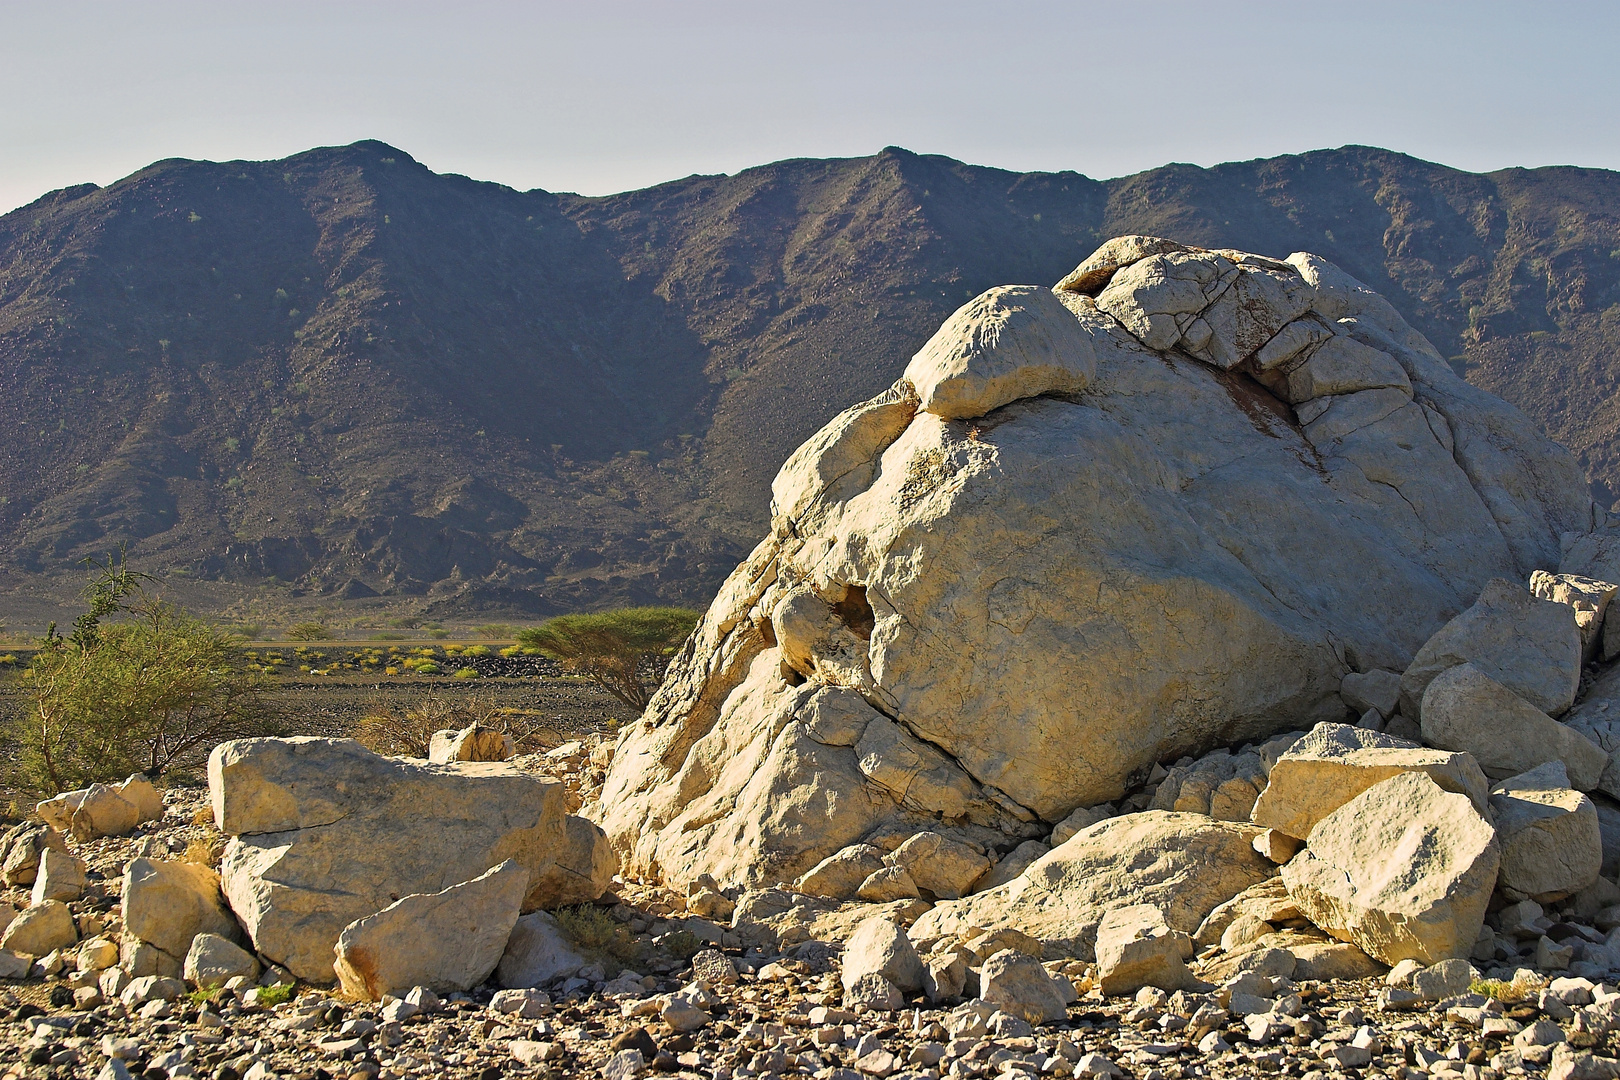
(154, 689)
(611, 647)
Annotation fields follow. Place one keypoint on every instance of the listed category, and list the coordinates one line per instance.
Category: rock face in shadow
(1166, 507)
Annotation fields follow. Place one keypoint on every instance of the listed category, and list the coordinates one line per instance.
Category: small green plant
(610, 648)
(466, 673)
(271, 996)
(595, 930)
(308, 631)
(438, 633)
(1508, 993)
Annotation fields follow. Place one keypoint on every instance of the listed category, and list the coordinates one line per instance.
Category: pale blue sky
(596, 98)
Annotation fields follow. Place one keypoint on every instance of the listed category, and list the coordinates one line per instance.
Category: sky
(598, 98)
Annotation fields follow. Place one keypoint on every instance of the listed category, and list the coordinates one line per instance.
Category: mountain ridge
(341, 374)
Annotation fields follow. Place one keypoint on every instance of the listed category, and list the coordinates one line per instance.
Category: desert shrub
(466, 673)
(496, 631)
(595, 930)
(308, 631)
(407, 731)
(152, 692)
(476, 650)
(611, 647)
(271, 996)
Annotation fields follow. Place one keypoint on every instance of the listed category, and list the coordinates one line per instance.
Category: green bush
(308, 631)
(610, 647)
(152, 692)
(466, 673)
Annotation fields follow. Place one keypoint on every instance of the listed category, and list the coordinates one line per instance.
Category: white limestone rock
(1140, 563)
(1337, 762)
(167, 904)
(1402, 871)
(40, 929)
(840, 874)
(1552, 844)
(471, 743)
(297, 808)
(213, 961)
(879, 947)
(1466, 710)
(60, 877)
(536, 953)
(1529, 645)
(447, 941)
(1137, 948)
(1017, 985)
(1590, 599)
(1184, 864)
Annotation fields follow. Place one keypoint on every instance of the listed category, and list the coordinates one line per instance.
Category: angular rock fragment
(60, 877)
(1590, 599)
(1403, 871)
(941, 868)
(472, 743)
(1019, 986)
(1185, 864)
(879, 947)
(1552, 845)
(536, 952)
(840, 874)
(1530, 646)
(1137, 948)
(167, 904)
(1336, 762)
(212, 961)
(38, 930)
(1468, 711)
(447, 941)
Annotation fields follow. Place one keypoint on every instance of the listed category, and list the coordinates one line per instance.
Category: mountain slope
(345, 374)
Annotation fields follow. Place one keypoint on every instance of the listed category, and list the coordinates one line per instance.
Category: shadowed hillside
(345, 374)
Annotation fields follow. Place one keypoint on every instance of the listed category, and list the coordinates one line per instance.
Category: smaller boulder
(1017, 984)
(1336, 762)
(147, 800)
(1137, 948)
(20, 848)
(1529, 645)
(1012, 864)
(1466, 710)
(536, 952)
(879, 947)
(213, 961)
(449, 940)
(889, 883)
(1588, 597)
(874, 992)
(1446, 979)
(1403, 870)
(97, 954)
(940, 867)
(1277, 846)
(40, 929)
(1552, 844)
(472, 743)
(1083, 818)
(168, 903)
(60, 877)
(582, 871)
(840, 874)
(103, 812)
(1377, 689)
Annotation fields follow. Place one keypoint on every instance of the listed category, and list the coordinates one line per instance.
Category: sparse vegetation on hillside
(612, 647)
(153, 690)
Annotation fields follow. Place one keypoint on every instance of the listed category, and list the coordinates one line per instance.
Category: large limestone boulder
(1552, 844)
(581, 868)
(1337, 762)
(1402, 871)
(449, 941)
(327, 832)
(1466, 710)
(1169, 508)
(1529, 645)
(1183, 864)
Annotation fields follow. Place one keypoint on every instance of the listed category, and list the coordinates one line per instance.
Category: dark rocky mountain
(347, 375)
